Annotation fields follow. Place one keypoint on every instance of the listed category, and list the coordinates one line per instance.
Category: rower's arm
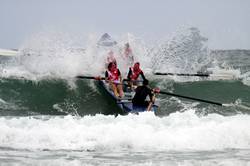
(152, 101)
(129, 74)
(142, 75)
(106, 76)
(120, 76)
(152, 96)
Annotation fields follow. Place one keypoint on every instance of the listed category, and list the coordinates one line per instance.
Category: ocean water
(48, 117)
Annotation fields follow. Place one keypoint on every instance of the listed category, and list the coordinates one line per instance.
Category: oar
(182, 74)
(192, 98)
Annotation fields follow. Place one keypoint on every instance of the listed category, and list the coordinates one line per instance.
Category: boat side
(125, 103)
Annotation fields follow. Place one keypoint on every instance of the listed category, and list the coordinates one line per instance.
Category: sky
(224, 22)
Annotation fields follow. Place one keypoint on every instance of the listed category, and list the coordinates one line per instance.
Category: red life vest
(113, 76)
(135, 74)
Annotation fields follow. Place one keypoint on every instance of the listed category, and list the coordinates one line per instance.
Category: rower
(110, 58)
(134, 73)
(113, 76)
(128, 55)
(141, 93)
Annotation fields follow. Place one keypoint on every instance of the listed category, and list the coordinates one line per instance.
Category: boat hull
(125, 104)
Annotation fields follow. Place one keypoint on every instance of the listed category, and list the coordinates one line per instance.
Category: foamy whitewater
(48, 117)
(179, 139)
(177, 132)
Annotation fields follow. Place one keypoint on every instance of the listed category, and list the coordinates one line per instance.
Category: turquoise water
(20, 97)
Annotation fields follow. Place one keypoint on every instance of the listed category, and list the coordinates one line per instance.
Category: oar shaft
(132, 80)
(102, 78)
(99, 78)
(191, 98)
(182, 74)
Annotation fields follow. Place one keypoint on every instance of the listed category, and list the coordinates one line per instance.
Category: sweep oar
(182, 74)
(192, 98)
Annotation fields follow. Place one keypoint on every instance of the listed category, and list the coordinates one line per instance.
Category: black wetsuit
(130, 73)
(141, 93)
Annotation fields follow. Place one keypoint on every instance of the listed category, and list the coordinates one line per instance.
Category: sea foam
(179, 131)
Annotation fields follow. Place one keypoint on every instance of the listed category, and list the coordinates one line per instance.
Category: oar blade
(7, 52)
(192, 98)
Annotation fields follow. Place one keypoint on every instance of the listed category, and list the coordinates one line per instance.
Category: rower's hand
(156, 90)
(98, 78)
